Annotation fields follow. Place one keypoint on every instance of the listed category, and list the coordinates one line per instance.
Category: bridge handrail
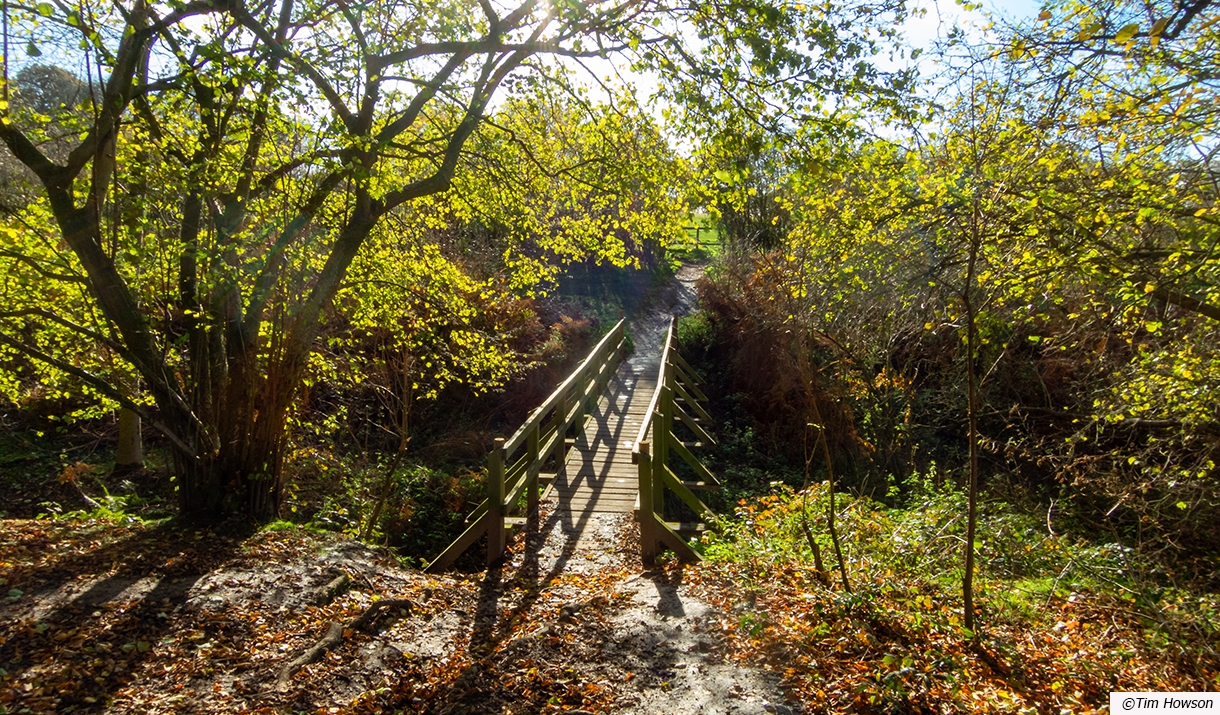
(642, 435)
(508, 480)
(518, 438)
(675, 378)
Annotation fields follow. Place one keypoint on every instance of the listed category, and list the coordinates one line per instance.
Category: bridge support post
(496, 540)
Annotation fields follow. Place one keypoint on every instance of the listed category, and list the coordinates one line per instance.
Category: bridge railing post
(535, 466)
(650, 541)
(495, 503)
(564, 407)
(660, 451)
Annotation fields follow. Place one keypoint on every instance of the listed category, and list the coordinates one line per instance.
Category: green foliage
(335, 490)
(410, 301)
(112, 509)
(427, 509)
(614, 206)
(916, 540)
(279, 525)
(331, 491)
(1076, 170)
(746, 468)
(694, 333)
(753, 198)
(702, 240)
(911, 553)
(121, 509)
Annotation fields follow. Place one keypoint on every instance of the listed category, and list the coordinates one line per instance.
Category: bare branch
(278, 48)
(45, 273)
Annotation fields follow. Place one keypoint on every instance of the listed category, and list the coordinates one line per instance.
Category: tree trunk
(830, 487)
(972, 409)
(245, 477)
(130, 456)
(805, 529)
(244, 474)
(404, 396)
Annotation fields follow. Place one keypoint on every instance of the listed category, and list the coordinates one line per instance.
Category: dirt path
(635, 628)
(675, 297)
(145, 618)
(659, 644)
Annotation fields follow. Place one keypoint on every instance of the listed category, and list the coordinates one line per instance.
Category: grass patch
(702, 241)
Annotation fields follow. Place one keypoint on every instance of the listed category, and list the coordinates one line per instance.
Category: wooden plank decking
(599, 475)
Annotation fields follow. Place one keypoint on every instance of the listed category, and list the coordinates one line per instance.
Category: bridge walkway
(601, 443)
(599, 475)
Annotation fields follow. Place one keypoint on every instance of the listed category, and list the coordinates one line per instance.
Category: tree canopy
(203, 184)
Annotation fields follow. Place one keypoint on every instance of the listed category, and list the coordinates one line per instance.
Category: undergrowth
(1064, 621)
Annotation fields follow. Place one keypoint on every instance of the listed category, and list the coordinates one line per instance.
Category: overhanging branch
(100, 385)
(1186, 302)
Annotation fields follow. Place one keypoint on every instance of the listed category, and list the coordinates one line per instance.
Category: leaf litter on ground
(165, 618)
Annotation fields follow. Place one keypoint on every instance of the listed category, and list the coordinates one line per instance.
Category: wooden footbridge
(605, 441)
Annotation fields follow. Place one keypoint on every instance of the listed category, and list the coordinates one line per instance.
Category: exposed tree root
(332, 590)
(334, 636)
(366, 619)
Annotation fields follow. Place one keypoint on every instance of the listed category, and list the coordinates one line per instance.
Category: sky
(941, 14)
(921, 32)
